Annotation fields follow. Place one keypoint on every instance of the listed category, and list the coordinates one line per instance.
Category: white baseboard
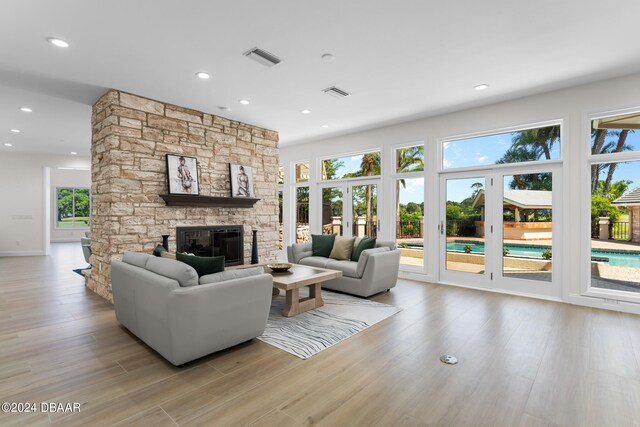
(66, 240)
(21, 253)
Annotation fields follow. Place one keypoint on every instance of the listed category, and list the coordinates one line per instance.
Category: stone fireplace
(131, 136)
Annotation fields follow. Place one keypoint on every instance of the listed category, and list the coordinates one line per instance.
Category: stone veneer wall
(130, 137)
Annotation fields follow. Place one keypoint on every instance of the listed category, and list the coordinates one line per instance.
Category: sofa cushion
(158, 250)
(315, 261)
(342, 248)
(297, 251)
(230, 275)
(321, 244)
(348, 268)
(138, 259)
(364, 257)
(203, 264)
(183, 273)
(365, 243)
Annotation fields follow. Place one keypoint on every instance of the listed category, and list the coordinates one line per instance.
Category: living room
(456, 218)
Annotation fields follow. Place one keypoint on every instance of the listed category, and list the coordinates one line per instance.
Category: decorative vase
(165, 241)
(254, 247)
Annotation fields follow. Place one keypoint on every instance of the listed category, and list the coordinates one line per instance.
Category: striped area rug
(311, 332)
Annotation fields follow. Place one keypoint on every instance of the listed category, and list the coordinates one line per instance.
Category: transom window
(358, 165)
(525, 145)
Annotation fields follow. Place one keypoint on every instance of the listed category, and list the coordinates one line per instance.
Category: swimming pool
(616, 258)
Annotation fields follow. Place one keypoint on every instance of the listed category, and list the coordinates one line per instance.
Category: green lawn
(80, 221)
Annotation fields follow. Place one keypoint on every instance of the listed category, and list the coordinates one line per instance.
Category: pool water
(616, 258)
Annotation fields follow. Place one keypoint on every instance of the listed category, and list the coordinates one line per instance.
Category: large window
(615, 203)
(409, 204)
(359, 165)
(73, 207)
(302, 231)
(512, 147)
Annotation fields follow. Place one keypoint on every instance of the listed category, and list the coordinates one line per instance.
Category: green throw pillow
(321, 244)
(158, 250)
(202, 264)
(365, 243)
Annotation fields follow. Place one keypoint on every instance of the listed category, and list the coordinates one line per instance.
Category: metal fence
(619, 230)
(408, 229)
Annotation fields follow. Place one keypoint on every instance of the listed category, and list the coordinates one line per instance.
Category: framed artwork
(182, 174)
(241, 180)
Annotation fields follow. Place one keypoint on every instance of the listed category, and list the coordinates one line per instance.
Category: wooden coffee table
(298, 277)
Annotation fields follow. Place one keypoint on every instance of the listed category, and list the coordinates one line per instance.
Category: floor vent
(335, 92)
(263, 57)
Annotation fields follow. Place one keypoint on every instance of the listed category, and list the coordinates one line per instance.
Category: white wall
(22, 193)
(572, 106)
(66, 178)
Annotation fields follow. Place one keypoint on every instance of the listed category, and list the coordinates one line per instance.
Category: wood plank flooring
(523, 362)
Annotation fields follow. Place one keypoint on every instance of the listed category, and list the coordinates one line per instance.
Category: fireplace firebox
(226, 240)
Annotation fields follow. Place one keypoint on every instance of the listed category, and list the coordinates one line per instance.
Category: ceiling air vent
(263, 57)
(335, 92)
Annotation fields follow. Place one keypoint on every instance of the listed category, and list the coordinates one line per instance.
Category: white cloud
(482, 159)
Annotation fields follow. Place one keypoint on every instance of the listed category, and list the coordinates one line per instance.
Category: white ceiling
(400, 59)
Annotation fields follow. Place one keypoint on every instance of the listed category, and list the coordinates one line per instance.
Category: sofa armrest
(140, 299)
(382, 269)
(297, 251)
(210, 317)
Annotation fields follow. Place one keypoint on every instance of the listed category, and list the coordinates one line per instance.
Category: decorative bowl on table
(279, 267)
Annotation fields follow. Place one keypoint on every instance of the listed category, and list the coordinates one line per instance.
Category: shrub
(547, 254)
(467, 249)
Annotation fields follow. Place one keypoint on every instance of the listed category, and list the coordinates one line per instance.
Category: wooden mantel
(208, 201)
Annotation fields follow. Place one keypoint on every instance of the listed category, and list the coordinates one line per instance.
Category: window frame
(589, 159)
(497, 131)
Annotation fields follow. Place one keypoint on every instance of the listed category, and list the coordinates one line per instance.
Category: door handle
(441, 227)
(378, 225)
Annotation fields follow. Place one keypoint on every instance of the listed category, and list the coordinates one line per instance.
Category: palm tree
(409, 159)
(370, 165)
(539, 140)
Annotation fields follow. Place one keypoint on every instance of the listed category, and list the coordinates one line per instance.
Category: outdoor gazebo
(520, 202)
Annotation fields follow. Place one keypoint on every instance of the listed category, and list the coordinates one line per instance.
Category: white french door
(500, 229)
(351, 208)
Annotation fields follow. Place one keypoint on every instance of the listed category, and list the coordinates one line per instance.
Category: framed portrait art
(182, 174)
(241, 180)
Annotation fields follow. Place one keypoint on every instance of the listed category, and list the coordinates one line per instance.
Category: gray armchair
(163, 302)
(86, 249)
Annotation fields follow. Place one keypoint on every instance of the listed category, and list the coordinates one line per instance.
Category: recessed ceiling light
(15, 130)
(481, 87)
(26, 109)
(73, 153)
(224, 108)
(57, 42)
(8, 145)
(328, 57)
(244, 102)
(202, 75)
(305, 111)
(324, 126)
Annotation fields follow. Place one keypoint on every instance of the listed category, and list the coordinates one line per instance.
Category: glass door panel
(463, 227)
(333, 220)
(364, 204)
(527, 226)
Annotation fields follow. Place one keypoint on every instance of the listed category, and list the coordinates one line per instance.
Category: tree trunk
(622, 138)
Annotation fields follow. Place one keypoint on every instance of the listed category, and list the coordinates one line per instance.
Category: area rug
(308, 333)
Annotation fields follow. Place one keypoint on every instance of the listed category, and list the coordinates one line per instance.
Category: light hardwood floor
(523, 362)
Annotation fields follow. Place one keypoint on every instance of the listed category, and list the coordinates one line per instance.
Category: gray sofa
(376, 270)
(164, 303)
